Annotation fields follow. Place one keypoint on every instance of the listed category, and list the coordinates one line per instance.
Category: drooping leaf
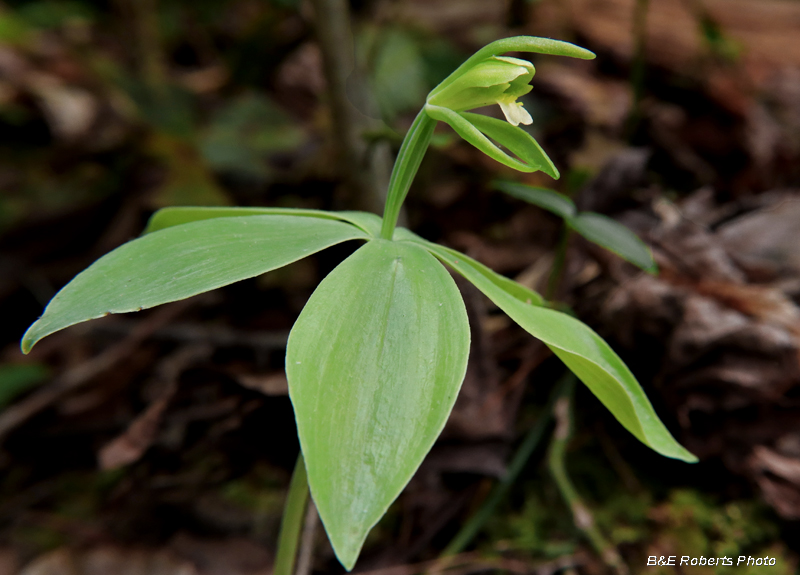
(585, 353)
(175, 216)
(374, 363)
(185, 260)
(615, 237)
(552, 201)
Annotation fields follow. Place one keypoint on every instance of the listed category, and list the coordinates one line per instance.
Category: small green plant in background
(376, 359)
(596, 228)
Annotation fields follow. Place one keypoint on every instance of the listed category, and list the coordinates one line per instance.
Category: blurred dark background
(162, 442)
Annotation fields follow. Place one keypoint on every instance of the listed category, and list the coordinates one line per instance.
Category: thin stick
(305, 557)
(470, 529)
(292, 521)
(581, 515)
(639, 62)
(332, 24)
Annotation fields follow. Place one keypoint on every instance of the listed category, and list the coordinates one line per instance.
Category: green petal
(515, 139)
(474, 136)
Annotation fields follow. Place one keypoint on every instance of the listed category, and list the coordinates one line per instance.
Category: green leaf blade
(185, 260)
(549, 200)
(586, 354)
(374, 363)
(615, 237)
(178, 215)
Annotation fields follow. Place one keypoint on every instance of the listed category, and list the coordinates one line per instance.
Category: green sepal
(515, 139)
(487, 82)
(515, 44)
(472, 128)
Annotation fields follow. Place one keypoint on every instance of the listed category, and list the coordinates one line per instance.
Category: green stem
(639, 63)
(405, 168)
(468, 532)
(292, 521)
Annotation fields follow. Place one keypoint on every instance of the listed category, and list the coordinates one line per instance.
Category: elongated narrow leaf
(615, 237)
(546, 199)
(374, 363)
(185, 260)
(474, 136)
(517, 140)
(175, 216)
(585, 353)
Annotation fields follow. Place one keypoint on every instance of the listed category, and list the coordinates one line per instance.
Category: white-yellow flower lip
(515, 114)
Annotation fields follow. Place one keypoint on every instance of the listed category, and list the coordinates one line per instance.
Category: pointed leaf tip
(184, 260)
(375, 362)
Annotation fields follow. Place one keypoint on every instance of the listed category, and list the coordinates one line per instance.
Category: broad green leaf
(546, 199)
(517, 140)
(175, 216)
(615, 237)
(474, 136)
(375, 362)
(585, 353)
(185, 260)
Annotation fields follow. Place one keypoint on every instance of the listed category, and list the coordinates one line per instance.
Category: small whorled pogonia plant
(378, 354)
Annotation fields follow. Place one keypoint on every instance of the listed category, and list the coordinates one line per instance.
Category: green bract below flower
(488, 78)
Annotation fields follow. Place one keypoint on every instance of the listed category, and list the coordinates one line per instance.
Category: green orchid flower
(489, 78)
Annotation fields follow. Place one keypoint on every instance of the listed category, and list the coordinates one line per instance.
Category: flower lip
(515, 113)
